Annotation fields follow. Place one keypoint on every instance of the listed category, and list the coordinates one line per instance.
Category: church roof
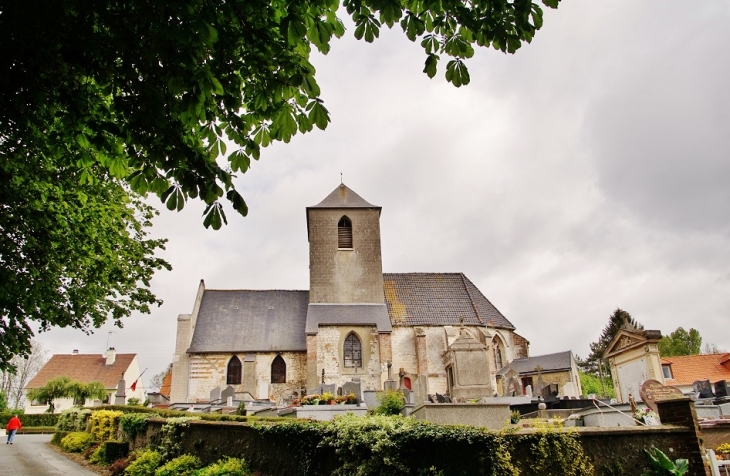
(560, 361)
(251, 321)
(343, 197)
(438, 299)
(348, 314)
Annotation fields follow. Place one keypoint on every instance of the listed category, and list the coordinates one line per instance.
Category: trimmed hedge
(33, 419)
(110, 451)
(58, 436)
(178, 413)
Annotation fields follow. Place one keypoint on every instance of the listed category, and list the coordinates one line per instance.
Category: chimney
(111, 356)
(76, 352)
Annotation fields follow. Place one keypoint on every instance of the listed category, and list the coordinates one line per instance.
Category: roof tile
(84, 368)
(686, 369)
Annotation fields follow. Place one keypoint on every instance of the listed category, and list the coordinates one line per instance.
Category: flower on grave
(723, 449)
(642, 414)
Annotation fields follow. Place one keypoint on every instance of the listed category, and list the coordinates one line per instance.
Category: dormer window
(344, 234)
(667, 371)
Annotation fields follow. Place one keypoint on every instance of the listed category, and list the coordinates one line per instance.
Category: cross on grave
(322, 376)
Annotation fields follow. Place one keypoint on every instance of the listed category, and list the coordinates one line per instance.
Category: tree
(712, 348)
(681, 342)
(59, 387)
(71, 254)
(592, 384)
(595, 364)
(157, 380)
(148, 91)
(81, 392)
(13, 383)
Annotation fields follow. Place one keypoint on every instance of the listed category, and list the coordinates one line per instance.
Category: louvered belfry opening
(344, 233)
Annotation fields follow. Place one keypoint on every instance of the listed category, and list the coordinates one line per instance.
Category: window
(234, 371)
(497, 346)
(667, 371)
(278, 370)
(344, 233)
(353, 351)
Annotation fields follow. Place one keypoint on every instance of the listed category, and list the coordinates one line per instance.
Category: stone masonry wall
(208, 371)
(345, 276)
(330, 345)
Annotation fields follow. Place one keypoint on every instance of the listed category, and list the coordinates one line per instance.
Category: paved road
(30, 455)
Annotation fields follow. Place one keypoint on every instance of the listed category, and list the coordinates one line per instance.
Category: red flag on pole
(134, 385)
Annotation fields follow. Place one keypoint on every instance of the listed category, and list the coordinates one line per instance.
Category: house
(161, 399)
(86, 368)
(354, 323)
(683, 371)
(538, 371)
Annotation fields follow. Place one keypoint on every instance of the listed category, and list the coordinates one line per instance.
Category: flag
(134, 385)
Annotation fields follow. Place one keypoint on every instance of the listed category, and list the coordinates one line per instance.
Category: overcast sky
(587, 172)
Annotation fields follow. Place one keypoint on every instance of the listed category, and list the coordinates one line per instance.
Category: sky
(585, 173)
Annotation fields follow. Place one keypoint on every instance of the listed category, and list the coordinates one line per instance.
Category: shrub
(171, 435)
(184, 465)
(97, 456)
(661, 464)
(90, 450)
(226, 467)
(103, 424)
(118, 467)
(144, 464)
(389, 403)
(73, 419)
(558, 452)
(76, 442)
(40, 419)
(133, 424)
(58, 436)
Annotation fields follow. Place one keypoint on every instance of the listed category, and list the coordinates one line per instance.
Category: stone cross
(322, 376)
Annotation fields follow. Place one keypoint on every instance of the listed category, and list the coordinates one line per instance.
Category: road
(30, 455)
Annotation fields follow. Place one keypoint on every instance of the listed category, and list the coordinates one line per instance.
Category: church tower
(348, 328)
(345, 265)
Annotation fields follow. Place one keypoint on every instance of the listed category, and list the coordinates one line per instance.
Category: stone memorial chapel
(352, 322)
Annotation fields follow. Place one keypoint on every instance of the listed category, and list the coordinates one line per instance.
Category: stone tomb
(467, 369)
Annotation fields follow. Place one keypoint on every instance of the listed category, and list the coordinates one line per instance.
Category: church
(355, 323)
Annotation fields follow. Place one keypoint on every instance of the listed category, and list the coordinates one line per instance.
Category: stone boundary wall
(611, 450)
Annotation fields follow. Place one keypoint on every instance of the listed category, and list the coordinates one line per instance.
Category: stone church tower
(348, 328)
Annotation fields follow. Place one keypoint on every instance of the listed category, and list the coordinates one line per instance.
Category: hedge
(179, 413)
(33, 419)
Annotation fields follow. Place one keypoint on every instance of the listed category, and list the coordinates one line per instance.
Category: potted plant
(340, 399)
(646, 416)
(310, 400)
(328, 398)
(514, 416)
(723, 450)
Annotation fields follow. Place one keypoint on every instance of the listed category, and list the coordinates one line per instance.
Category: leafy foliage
(30, 420)
(681, 342)
(76, 442)
(59, 387)
(390, 402)
(558, 452)
(152, 92)
(184, 465)
(73, 419)
(661, 465)
(226, 467)
(593, 385)
(145, 463)
(171, 436)
(103, 424)
(133, 424)
(81, 392)
(72, 254)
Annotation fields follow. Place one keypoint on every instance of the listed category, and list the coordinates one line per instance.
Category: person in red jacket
(13, 426)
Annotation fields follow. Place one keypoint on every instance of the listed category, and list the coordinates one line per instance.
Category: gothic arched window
(233, 376)
(278, 370)
(344, 233)
(353, 351)
(498, 350)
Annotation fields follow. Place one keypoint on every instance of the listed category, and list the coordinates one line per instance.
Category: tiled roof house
(354, 322)
(86, 368)
(683, 371)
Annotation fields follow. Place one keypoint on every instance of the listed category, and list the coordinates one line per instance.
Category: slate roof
(251, 321)
(343, 197)
(550, 363)
(348, 314)
(687, 369)
(85, 368)
(438, 299)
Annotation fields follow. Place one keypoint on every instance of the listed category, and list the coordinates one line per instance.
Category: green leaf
(217, 86)
(456, 73)
(431, 65)
(213, 216)
(239, 161)
(319, 115)
(83, 141)
(237, 201)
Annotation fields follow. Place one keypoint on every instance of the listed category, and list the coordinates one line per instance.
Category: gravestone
(215, 394)
(228, 392)
(704, 388)
(528, 391)
(390, 385)
(653, 391)
(325, 387)
(353, 387)
(539, 383)
(514, 387)
(721, 389)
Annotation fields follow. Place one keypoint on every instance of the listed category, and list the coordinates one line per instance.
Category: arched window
(344, 233)
(353, 351)
(278, 370)
(234, 371)
(497, 349)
